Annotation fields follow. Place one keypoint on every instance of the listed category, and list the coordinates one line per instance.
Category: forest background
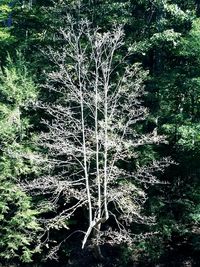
(164, 37)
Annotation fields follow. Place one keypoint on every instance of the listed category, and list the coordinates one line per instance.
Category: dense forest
(99, 133)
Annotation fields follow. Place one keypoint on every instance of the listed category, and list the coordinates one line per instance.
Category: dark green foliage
(18, 225)
(164, 36)
(6, 38)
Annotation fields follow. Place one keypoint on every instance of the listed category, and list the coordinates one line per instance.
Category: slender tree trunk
(105, 149)
(84, 147)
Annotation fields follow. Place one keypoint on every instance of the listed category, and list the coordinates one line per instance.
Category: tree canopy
(99, 132)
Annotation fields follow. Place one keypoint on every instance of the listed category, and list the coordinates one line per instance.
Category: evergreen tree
(18, 225)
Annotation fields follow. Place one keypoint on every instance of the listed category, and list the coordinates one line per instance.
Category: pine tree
(18, 224)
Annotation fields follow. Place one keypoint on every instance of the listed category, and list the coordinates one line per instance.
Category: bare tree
(92, 133)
